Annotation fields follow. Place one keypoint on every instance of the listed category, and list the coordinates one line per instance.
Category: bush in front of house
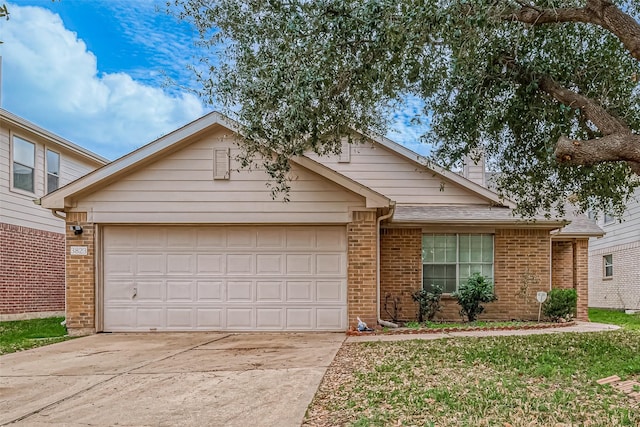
(561, 304)
(428, 302)
(472, 294)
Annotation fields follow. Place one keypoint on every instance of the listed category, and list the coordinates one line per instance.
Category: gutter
(380, 219)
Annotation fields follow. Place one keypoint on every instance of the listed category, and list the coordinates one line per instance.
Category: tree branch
(599, 12)
(611, 148)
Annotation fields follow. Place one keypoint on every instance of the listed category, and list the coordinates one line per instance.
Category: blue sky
(111, 75)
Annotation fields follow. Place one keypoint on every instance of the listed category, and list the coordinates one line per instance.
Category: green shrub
(560, 304)
(428, 302)
(477, 290)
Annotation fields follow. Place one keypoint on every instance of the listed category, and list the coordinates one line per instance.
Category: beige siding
(397, 177)
(181, 188)
(17, 207)
(620, 232)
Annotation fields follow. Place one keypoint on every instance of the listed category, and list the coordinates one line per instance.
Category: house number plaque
(79, 250)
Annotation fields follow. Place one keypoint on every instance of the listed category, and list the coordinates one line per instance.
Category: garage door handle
(135, 292)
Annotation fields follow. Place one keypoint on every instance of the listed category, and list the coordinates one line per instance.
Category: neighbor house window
(607, 262)
(53, 171)
(450, 259)
(24, 157)
(608, 218)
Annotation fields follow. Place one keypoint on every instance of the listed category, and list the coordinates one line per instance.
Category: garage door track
(167, 379)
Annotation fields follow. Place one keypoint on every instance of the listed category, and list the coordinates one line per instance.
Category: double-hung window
(448, 260)
(53, 171)
(24, 158)
(607, 266)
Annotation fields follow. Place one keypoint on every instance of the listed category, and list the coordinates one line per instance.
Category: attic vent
(345, 153)
(221, 163)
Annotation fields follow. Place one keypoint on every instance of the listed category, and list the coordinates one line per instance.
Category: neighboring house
(33, 162)
(614, 260)
(175, 236)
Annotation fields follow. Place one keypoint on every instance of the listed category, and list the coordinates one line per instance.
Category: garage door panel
(150, 318)
(300, 238)
(210, 264)
(145, 237)
(210, 291)
(299, 318)
(224, 278)
(300, 291)
(330, 318)
(209, 318)
(211, 238)
(179, 318)
(240, 291)
(332, 239)
(270, 238)
(299, 264)
(330, 264)
(180, 291)
(270, 318)
(330, 290)
(240, 318)
(180, 264)
(148, 291)
(269, 264)
(122, 264)
(269, 291)
(240, 264)
(241, 238)
(150, 264)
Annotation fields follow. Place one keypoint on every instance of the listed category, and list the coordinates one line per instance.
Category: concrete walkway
(167, 379)
(578, 327)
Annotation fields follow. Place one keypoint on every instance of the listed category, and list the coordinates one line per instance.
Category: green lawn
(537, 380)
(615, 317)
(25, 334)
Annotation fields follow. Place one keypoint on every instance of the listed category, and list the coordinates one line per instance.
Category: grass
(615, 317)
(535, 380)
(25, 334)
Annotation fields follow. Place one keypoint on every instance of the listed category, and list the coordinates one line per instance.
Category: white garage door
(225, 278)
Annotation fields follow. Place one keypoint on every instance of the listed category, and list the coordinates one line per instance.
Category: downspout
(57, 214)
(380, 219)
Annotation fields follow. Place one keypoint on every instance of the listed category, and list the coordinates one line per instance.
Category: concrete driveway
(167, 379)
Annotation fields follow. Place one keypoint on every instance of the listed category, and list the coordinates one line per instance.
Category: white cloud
(409, 123)
(50, 78)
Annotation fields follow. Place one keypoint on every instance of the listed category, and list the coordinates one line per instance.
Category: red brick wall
(400, 270)
(80, 277)
(581, 277)
(362, 270)
(521, 264)
(31, 270)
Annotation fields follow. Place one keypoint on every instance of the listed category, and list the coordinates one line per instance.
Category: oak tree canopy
(547, 89)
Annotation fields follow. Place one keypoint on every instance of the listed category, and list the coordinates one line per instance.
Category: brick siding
(400, 271)
(80, 277)
(362, 269)
(521, 269)
(622, 291)
(31, 272)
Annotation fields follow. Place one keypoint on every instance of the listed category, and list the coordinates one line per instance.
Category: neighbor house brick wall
(400, 271)
(362, 270)
(31, 272)
(80, 277)
(623, 289)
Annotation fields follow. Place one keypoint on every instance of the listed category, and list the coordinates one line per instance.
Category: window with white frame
(53, 171)
(607, 266)
(608, 218)
(450, 259)
(24, 158)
